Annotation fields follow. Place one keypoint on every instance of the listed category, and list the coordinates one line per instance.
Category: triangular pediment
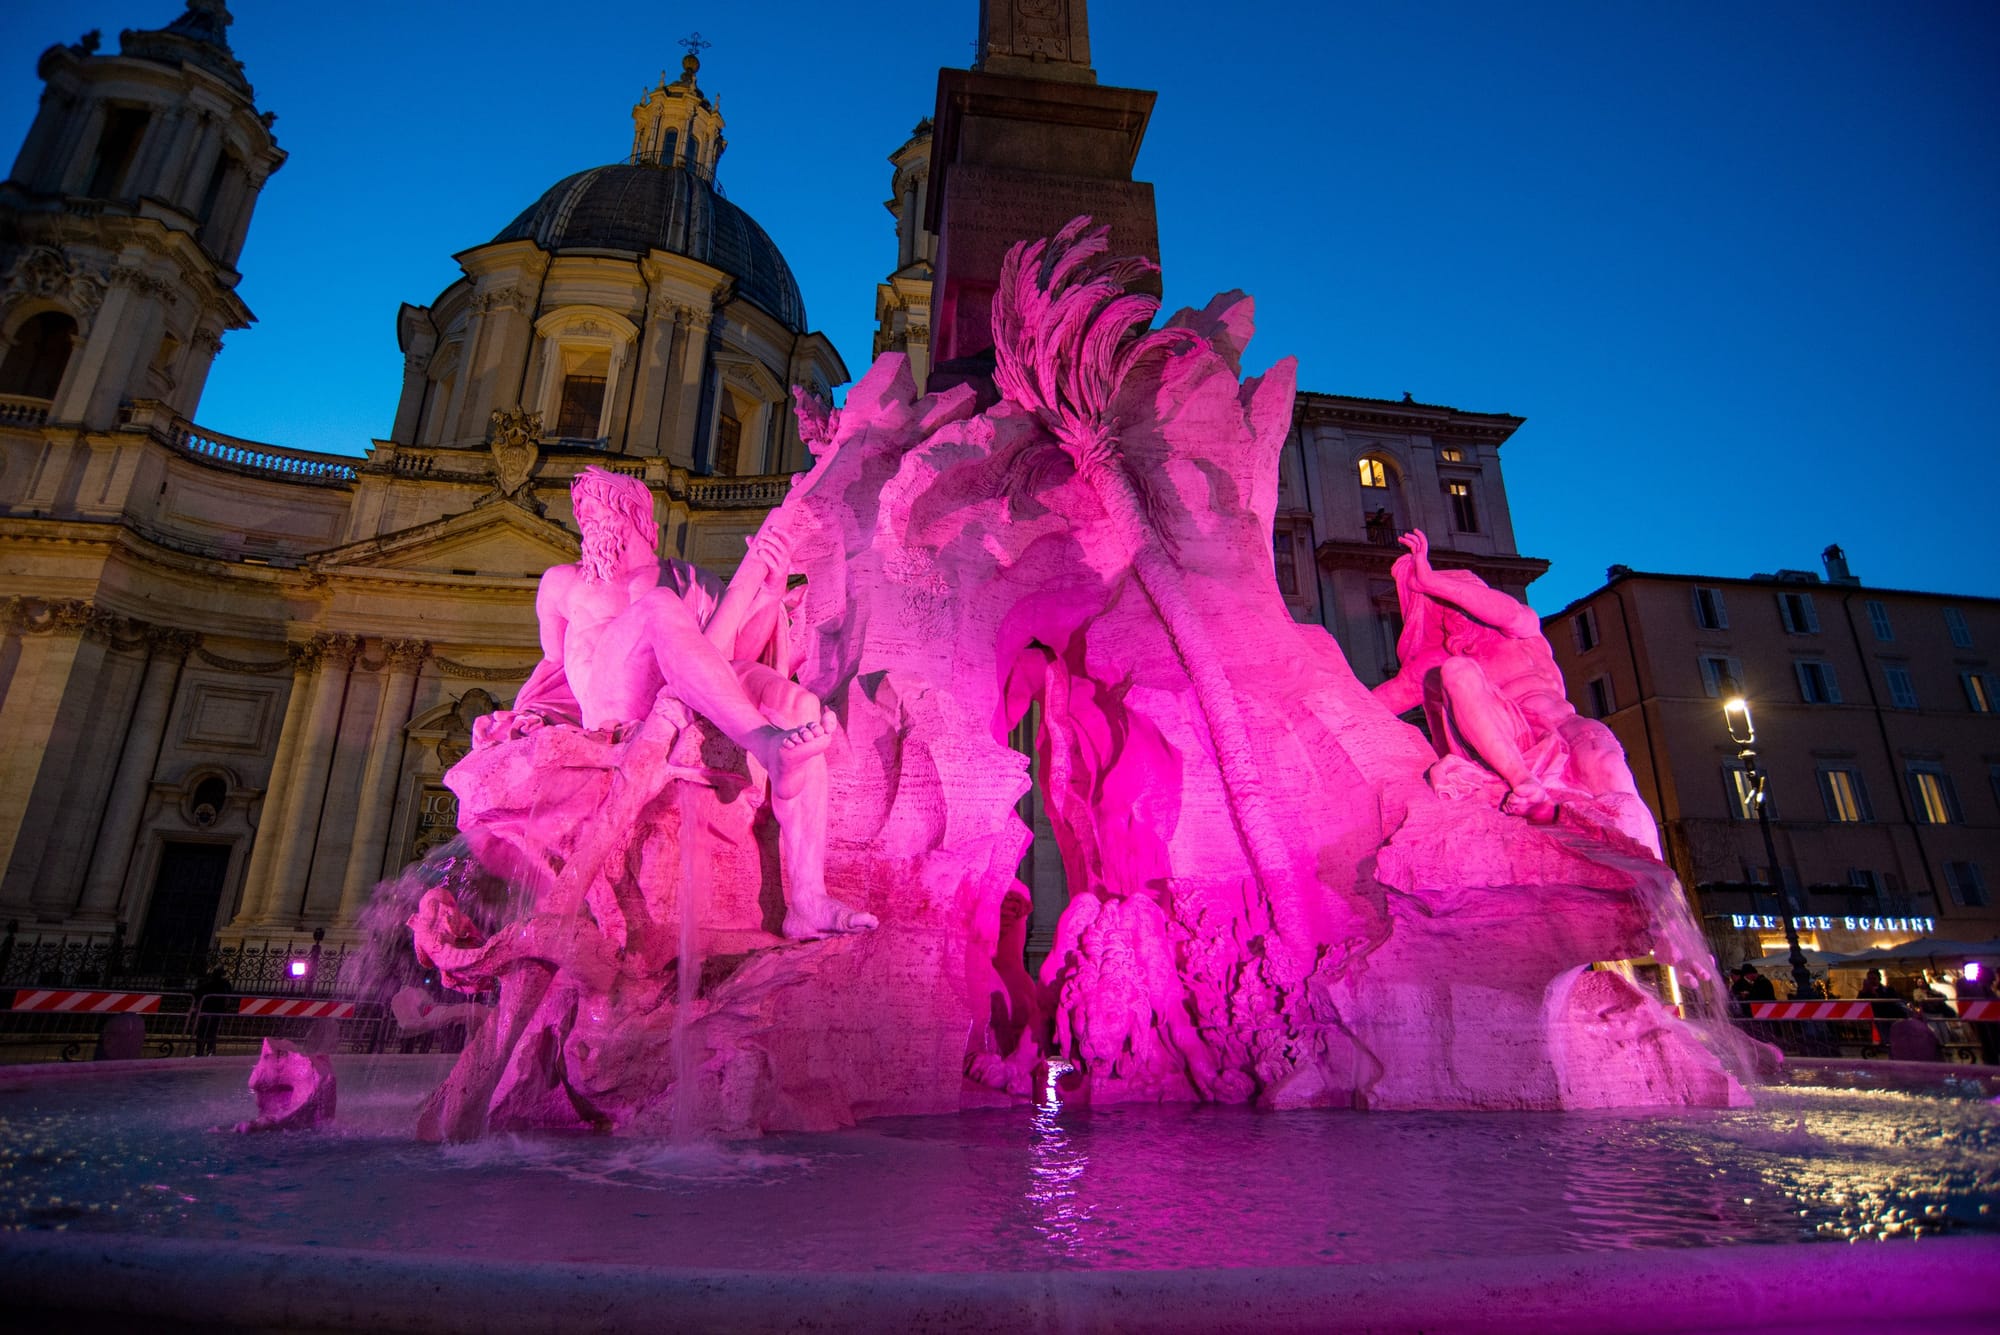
(496, 539)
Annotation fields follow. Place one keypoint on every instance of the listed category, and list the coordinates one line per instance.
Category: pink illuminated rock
(294, 1091)
(1269, 899)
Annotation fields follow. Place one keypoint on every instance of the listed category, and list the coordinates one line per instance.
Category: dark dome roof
(642, 207)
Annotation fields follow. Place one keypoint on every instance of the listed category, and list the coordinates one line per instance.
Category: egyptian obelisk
(1025, 140)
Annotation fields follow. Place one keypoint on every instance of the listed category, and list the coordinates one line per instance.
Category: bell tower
(122, 221)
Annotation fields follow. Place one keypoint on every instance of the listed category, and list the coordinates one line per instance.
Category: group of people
(1748, 983)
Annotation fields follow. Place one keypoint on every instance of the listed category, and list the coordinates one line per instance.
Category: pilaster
(259, 891)
(691, 351)
(404, 659)
(293, 864)
(111, 860)
(61, 650)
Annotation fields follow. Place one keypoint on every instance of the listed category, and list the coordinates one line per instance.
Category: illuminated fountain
(1281, 894)
(1282, 898)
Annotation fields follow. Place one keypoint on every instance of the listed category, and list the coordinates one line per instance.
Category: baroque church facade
(233, 673)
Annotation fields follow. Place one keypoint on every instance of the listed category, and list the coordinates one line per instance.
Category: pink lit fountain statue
(762, 845)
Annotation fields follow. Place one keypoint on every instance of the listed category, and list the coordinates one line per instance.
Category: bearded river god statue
(742, 859)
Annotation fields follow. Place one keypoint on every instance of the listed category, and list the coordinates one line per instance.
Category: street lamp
(1743, 732)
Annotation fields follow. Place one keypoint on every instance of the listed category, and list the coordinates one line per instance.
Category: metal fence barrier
(69, 1024)
(1827, 1028)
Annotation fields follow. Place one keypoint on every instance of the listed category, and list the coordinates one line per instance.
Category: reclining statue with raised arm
(623, 631)
(1493, 697)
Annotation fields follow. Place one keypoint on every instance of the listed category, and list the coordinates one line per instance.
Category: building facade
(1877, 717)
(232, 673)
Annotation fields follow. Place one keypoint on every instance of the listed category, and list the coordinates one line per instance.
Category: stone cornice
(1374, 557)
(1436, 421)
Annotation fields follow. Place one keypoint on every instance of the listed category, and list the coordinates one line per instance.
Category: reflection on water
(1030, 1189)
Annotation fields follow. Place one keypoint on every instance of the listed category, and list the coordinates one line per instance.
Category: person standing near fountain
(623, 631)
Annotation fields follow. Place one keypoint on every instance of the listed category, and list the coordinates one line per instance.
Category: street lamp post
(1736, 715)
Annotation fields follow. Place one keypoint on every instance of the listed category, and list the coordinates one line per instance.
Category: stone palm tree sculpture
(1067, 335)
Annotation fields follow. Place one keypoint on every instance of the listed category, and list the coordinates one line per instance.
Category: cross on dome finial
(691, 62)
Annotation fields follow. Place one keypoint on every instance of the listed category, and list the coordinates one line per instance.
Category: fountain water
(693, 877)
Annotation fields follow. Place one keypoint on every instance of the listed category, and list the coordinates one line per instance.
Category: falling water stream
(690, 966)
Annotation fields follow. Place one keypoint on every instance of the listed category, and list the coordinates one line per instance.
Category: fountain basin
(1862, 1209)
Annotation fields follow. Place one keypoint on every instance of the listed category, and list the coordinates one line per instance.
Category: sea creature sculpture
(294, 1091)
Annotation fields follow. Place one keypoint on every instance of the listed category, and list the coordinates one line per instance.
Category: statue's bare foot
(1531, 800)
(790, 748)
(825, 916)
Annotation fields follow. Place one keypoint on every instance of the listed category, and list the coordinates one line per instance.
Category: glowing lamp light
(1972, 971)
(298, 968)
(1736, 713)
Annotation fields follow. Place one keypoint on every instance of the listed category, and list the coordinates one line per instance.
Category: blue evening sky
(1736, 264)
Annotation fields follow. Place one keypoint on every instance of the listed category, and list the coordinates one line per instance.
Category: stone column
(378, 780)
(293, 863)
(104, 882)
(279, 786)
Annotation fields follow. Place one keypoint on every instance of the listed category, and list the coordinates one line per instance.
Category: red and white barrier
(1977, 1010)
(1812, 1010)
(339, 1010)
(79, 1002)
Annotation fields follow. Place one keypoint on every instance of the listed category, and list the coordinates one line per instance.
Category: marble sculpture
(744, 857)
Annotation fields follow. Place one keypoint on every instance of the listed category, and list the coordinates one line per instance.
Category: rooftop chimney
(1836, 566)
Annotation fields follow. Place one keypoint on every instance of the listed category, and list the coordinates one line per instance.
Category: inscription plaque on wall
(230, 718)
(437, 819)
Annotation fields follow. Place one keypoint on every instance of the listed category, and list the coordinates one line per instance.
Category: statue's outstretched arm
(1503, 612)
(748, 614)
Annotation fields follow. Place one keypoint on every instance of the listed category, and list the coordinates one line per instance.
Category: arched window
(583, 358)
(1383, 514)
(40, 353)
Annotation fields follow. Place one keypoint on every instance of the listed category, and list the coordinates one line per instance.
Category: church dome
(637, 207)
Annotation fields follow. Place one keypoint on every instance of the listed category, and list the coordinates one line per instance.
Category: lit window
(1878, 617)
(1709, 612)
(1935, 798)
(1979, 691)
(1464, 514)
(1373, 474)
(1902, 691)
(1716, 669)
(1796, 611)
(1816, 682)
(1740, 791)
(1583, 628)
(1961, 634)
(1846, 800)
(1451, 454)
(1603, 703)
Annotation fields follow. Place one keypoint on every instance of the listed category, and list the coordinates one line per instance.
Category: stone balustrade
(249, 456)
(738, 492)
(21, 410)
